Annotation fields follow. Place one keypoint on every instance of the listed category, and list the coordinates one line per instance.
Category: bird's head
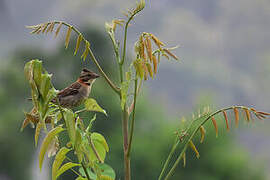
(87, 77)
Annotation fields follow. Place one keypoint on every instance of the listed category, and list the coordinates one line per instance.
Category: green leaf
(28, 71)
(92, 175)
(59, 158)
(88, 129)
(100, 150)
(92, 105)
(107, 172)
(66, 167)
(37, 70)
(45, 85)
(81, 178)
(46, 142)
(99, 138)
(37, 132)
(70, 123)
(78, 142)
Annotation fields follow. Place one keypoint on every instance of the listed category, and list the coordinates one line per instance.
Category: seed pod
(215, 125)
(50, 28)
(193, 147)
(170, 54)
(68, 36)
(86, 50)
(149, 68)
(148, 46)
(184, 159)
(79, 39)
(165, 55)
(157, 41)
(36, 30)
(226, 120)
(142, 53)
(202, 130)
(155, 64)
(236, 114)
(45, 27)
(247, 114)
(58, 29)
(263, 113)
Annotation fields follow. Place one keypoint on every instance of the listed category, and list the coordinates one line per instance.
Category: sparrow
(74, 95)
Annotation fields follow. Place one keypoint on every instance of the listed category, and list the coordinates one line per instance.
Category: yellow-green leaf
(98, 137)
(70, 123)
(37, 132)
(81, 178)
(53, 147)
(59, 158)
(47, 140)
(66, 167)
(100, 149)
(92, 105)
(45, 85)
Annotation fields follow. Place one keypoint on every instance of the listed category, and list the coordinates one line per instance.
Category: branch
(197, 123)
(39, 28)
(133, 118)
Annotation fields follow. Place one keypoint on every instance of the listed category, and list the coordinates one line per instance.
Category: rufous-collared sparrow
(78, 91)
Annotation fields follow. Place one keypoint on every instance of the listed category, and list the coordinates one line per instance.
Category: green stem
(94, 149)
(125, 143)
(192, 135)
(85, 171)
(125, 40)
(133, 118)
(168, 159)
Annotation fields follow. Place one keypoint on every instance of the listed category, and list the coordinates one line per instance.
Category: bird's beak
(96, 76)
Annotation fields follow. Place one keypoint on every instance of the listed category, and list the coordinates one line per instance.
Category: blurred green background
(224, 61)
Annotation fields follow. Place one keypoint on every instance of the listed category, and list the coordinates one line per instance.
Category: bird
(75, 94)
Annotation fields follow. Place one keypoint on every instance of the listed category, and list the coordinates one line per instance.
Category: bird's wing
(71, 90)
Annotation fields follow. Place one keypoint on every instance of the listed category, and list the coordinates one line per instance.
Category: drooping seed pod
(148, 46)
(236, 115)
(226, 120)
(45, 27)
(68, 36)
(58, 29)
(247, 114)
(36, 29)
(149, 68)
(170, 54)
(157, 41)
(193, 147)
(215, 125)
(79, 39)
(142, 53)
(184, 159)
(202, 130)
(50, 28)
(86, 50)
(155, 64)
(145, 71)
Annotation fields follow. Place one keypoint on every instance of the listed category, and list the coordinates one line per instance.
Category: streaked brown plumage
(78, 91)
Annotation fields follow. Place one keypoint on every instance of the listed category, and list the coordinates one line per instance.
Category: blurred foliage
(154, 129)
